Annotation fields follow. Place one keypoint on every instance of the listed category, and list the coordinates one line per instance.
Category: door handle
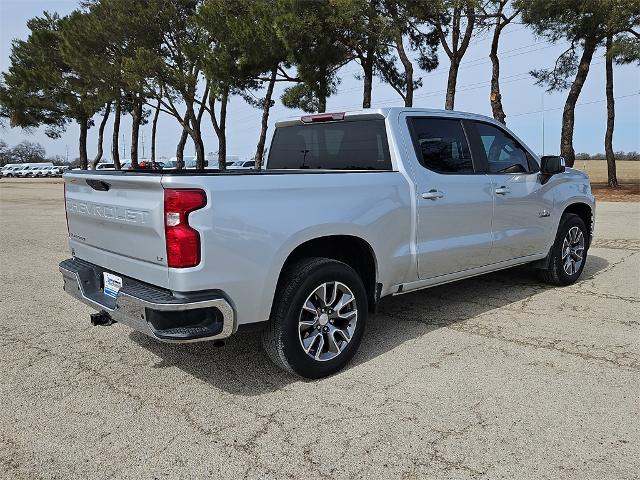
(503, 190)
(432, 194)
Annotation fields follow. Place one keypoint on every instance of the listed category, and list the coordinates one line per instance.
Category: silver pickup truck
(351, 207)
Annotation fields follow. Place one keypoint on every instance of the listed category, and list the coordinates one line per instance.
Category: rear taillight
(183, 242)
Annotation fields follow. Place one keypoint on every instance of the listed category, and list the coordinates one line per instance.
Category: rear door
(116, 221)
(454, 201)
(522, 221)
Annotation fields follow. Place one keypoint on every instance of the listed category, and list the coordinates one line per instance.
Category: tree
(621, 49)
(496, 12)
(242, 53)
(5, 153)
(154, 129)
(175, 68)
(106, 41)
(366, 38)
(28, 152)
(457, 17)
(42, 88)
(409, 19)
(584, 25)
(103, 124)
(313, 34)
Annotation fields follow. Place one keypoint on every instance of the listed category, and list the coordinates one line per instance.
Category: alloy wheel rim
(327, 321)
(573, 251)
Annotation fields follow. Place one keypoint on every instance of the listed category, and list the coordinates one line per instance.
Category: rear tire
(318, 318)
(569, 252)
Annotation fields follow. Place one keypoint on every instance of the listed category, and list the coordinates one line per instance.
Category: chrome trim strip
(130, 310)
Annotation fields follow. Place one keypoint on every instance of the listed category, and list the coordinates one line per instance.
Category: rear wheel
(318, 318)
(569, 252)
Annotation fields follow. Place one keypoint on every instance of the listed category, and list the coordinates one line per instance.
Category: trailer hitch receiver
(101, 319)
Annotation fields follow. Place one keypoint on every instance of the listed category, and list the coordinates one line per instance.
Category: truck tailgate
(117, 221)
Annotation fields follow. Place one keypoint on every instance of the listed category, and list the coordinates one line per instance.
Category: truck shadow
(241, 367)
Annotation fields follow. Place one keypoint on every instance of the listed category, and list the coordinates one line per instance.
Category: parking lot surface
(494, 377)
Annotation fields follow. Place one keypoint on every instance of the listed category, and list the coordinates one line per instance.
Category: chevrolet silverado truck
(350, 207)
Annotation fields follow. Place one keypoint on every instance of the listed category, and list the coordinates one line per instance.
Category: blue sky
(523, 101)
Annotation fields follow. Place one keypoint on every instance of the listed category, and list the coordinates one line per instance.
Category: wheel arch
(350, 249)
(585, 212)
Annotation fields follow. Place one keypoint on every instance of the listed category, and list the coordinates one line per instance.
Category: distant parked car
(190, 162)
(14, 169)
(42, 171)
(105, 166)
(52, 171)
(143, 165)
(26, 172)
(242, 165)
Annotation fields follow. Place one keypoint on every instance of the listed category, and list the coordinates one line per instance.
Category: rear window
(356, 145)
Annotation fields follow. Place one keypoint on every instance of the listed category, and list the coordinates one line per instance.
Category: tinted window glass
(504, 154)
(356, 145)
(441, 145)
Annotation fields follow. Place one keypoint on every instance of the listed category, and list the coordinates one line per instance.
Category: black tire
(555, 273)
(281, 338)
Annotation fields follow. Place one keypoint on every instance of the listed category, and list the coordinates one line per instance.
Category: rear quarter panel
(253, 222)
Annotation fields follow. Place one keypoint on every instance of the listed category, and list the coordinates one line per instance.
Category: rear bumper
(162, 314)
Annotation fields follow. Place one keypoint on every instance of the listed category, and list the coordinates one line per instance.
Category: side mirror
(551, 165)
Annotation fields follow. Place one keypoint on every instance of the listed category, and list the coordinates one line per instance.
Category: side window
(504, 154)
(441, 145)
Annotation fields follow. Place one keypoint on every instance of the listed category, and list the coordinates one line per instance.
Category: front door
(522, 220)
(454, 202)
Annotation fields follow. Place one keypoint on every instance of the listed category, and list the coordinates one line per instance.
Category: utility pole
(142, 132)
(542, 100)
(124, 147)
(67, 147)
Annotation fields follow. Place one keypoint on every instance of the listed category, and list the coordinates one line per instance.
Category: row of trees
(25, 152)
(187, 58)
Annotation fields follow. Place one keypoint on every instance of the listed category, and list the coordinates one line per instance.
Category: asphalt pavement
(494, 377)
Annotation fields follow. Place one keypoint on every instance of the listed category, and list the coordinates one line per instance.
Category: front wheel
(569, 252)
(317, 319)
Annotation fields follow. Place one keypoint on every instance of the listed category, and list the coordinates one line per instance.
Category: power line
(460, 89)
(580, 104)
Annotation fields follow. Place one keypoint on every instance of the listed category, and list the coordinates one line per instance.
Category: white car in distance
(242, 165)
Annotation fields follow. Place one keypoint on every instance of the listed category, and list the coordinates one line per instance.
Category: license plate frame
(111, 284)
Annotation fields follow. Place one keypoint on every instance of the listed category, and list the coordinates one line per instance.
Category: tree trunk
(568, 115)
(84, 127)
(612, 178)
(196, 135)
(458, 47)
(222, 140)
(495, 97)
(154, 127)
(199, 146)
(180, 149)
(115, 147)
(220, 126)
(408, 70)
(136, 120)
(322, 96)
(322, 103)
(367, 67)
(265, 119)
(451, 84)
(103, 123)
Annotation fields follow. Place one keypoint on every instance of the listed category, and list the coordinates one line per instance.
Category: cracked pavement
(494, 377)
